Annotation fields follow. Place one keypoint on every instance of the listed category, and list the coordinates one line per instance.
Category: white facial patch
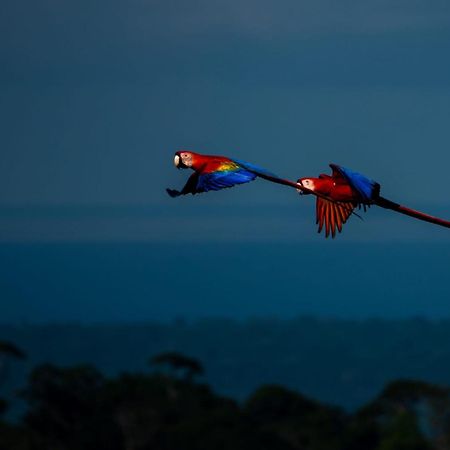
(186, 159)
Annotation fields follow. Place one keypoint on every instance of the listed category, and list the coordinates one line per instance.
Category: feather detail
(327, 219)
(219, 166)
(223, 179)
(213, 173)
(367, 189)
(332, 215)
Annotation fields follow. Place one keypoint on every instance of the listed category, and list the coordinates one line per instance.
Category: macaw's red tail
(388, 204)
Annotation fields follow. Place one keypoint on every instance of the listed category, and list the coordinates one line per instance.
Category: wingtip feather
(173, 193)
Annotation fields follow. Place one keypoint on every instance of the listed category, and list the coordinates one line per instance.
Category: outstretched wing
(332, 215)
(226, 175)
(219, 172)
(367, 189)
(215, 181)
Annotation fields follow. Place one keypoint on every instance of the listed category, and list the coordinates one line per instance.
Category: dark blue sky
(96, 96)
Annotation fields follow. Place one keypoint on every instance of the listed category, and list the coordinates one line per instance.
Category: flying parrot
(212, 173)
(339, 194)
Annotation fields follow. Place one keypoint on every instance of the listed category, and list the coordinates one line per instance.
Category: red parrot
(212, 173)
(339, 194)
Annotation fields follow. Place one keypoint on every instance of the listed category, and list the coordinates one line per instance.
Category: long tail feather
(285, 182)
(388, 204)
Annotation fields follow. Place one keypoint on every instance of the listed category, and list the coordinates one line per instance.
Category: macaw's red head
(183, 159)
(308, 184)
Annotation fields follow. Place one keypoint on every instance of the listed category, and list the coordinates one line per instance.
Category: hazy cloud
(83, 25)
(271, 18)
(188, 223)
(97, 95)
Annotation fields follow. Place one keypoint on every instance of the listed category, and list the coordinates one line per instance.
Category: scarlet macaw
(339, 194)
(212, 173)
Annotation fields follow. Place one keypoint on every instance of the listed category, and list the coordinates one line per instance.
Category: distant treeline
(340, 362)
(168, 408)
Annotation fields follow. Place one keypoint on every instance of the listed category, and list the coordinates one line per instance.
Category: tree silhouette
(297, 420)
(8, 351)
(77, 408)
(403, 433)
(3, 406)
(406, 411)
(67, 410)
(177, 363)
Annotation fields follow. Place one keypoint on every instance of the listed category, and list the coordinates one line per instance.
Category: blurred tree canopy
(71, 408)
(178, 363)
(8, 351)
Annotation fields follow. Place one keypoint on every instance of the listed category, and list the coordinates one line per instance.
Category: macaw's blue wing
(368, 189)
(225, 174)
(215, 181)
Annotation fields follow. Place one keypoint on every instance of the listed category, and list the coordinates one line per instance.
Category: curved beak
(300, 191)
(176, 161)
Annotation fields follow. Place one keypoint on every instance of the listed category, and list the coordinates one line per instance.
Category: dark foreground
(166, 407)
(345, 363)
